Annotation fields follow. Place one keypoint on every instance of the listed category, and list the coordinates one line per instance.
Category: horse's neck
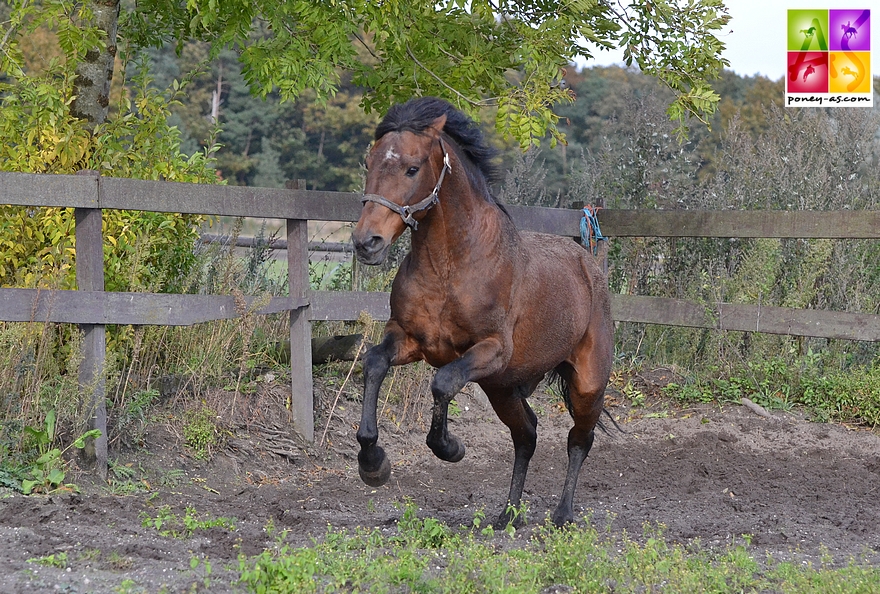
(461, 229)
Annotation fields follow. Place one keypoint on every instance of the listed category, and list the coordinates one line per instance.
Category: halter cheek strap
(407, 211)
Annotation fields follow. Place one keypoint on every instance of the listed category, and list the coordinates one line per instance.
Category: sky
(756, 35)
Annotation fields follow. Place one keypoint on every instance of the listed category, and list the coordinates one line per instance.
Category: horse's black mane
(418, 114)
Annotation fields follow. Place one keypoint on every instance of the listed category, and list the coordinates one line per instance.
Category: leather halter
(407, 211)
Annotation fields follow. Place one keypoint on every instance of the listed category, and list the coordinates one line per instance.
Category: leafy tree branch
(504, 52)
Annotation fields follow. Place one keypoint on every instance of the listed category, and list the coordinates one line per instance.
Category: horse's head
(404, 173)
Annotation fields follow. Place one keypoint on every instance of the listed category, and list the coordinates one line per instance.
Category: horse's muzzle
(371, 250)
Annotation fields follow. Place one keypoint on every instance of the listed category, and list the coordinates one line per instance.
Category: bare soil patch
(713, 473)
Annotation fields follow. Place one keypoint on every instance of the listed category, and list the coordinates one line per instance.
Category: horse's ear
(439, 123)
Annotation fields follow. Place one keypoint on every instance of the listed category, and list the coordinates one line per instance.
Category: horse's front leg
(373, 465)
(481, 360)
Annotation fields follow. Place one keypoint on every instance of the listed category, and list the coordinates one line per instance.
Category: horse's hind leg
(586, 381)
(373, 465)
(514, 411)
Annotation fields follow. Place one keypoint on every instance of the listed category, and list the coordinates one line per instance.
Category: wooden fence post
(603, 249)
(302, 388)
(90, 277)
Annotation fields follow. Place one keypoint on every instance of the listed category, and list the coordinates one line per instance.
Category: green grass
(167, 523)
(425, 555)
(850, 395)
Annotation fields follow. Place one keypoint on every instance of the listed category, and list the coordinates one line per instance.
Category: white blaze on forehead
(390, 155)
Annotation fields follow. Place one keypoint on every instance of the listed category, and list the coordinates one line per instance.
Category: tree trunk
(94, 73)
(215, 97)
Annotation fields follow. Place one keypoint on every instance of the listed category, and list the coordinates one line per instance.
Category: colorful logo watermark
(829, 58)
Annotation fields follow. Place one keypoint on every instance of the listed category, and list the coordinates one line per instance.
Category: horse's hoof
(506, 519)
(453, 452)
(378, 477)
(562, 517)
(459, 453)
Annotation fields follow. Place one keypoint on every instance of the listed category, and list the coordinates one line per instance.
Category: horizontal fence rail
(782, 224)
(275, 243)
(664, 311)
(26, 189)
(93, 308)
(138, 309)
(141, 308)
(163, 309)
(746, 318)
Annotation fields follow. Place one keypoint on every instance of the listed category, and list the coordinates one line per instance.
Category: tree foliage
(507, 54)
(266, 142)
(41, 135)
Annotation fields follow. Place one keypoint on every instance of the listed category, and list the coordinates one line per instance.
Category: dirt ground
(800, 489)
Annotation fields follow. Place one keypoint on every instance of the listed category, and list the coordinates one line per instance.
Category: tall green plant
(142, 250)
(47, 472)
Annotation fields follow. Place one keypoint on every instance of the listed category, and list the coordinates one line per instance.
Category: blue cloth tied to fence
(591, 235)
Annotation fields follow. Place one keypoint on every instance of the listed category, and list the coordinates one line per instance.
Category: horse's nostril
(370, 249)
(370, 243)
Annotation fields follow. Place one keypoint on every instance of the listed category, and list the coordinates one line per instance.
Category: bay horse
(476, 298)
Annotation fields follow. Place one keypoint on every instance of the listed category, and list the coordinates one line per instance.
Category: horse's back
(562, 260)
(561, 298)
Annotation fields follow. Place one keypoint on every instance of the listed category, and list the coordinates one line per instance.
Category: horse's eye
(412, 171)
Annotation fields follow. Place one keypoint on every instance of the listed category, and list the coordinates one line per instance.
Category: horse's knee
(580, 441)
(447, 382)
(525, 434)
(482, 359)
(376, 360)
(525, 449)
(533, 418)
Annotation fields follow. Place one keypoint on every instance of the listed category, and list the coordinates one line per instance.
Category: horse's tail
(557, 379)
(602, 426)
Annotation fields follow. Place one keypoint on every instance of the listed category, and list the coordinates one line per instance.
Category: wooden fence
(92, 308)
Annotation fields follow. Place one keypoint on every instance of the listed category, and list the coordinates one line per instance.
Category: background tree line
(265, 142)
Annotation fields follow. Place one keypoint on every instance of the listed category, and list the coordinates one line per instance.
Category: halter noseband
(407, 211)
